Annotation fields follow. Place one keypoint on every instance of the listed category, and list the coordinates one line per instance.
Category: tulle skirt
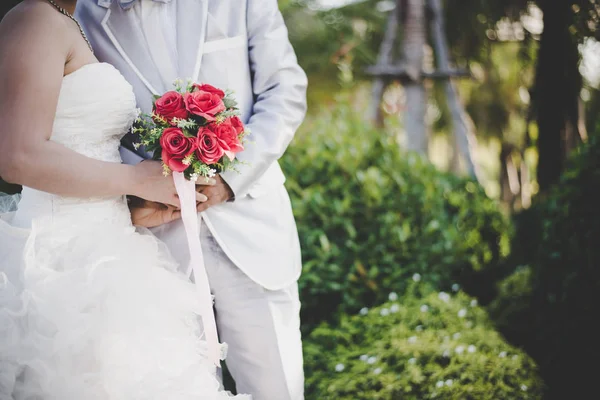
(97, 312)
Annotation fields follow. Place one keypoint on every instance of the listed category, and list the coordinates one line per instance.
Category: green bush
(371, 216)
(555, 319)
(418, 347)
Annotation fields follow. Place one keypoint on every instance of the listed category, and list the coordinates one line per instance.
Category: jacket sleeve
(279, 87)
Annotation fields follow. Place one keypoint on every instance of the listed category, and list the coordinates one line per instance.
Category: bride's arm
(34, 48)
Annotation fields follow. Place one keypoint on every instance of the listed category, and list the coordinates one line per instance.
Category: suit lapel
(191, 33)
(128, 38)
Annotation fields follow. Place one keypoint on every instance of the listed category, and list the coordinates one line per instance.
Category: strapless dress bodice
(96, 108)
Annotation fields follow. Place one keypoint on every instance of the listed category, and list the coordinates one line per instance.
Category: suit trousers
(261, 328)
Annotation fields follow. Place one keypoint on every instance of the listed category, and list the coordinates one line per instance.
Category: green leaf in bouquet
(230, 103)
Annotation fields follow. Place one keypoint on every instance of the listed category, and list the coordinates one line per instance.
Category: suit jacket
(240, 45)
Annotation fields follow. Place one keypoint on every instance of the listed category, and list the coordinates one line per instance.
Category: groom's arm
(279, 86)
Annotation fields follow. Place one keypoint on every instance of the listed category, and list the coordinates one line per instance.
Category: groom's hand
(218, 193)
(150, 214)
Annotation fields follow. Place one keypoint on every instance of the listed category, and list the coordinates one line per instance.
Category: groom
(249, 236)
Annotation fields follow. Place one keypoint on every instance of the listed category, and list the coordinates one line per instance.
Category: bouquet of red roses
(194, 129)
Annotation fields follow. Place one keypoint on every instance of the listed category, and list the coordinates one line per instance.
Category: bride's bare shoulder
(33, 24)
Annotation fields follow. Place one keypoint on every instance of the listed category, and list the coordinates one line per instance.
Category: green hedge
(416, 347)
(371, 216)
(555, 313)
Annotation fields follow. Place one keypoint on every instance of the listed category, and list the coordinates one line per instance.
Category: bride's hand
(150, 214)
(151, 184)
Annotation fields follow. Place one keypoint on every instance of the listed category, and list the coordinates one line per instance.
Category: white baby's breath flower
(194, 177)
(445, 297)
(455, 287)
(424, 308)
(460, 350)
(377, 371)
(524, 387)
(412, 339)
(462, 313)
(372, 360)
(502, 354)
(384, 312)
(212, 173)
(473, 303)
(471, 349)
(416, 277)
(439, 384)
(395, 308)
(188, 159)
(412, 361)
(364, 358)
(339, 367)
(364, 311)
(449, 382)
(393, 296)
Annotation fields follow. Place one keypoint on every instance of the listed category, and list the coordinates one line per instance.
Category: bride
(89, 309)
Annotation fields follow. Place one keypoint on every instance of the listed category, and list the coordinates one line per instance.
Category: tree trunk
(416, 99)
(464, 132)
(385, 57)
(556, 93)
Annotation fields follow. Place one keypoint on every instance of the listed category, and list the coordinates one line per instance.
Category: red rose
(228, 138)
(237, 124)
(175, 147)
(204, 104)
(171, 105)
(209, 147)
(210, 89)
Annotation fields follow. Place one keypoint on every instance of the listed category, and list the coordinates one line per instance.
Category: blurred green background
(425, 278)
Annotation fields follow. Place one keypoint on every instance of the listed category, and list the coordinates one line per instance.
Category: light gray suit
(251, 245)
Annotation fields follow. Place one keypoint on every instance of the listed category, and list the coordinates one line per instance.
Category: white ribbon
(187, 195)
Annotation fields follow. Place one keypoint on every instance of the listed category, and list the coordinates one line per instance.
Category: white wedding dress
(89, 308)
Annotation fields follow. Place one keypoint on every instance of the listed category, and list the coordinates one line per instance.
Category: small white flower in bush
(377, 371)
(445, 297)
(449, 382)
(455, 287)
(446, 354)
(502, 354)
(439, 384)
(471, 349)
(412, 339)
(384, 312)
(416, 277)
(412, 361)
(456, 336)
(424, 308)
(474, 303)
(395, 308)
(524, 388)
(393, 296)
(460, 349)
(339, 367)
(364, 311)
(419, 328)
(515, 357)
(462, 313)
(364, 358)
(372, 360)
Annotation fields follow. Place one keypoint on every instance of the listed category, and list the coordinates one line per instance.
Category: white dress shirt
(158, 21)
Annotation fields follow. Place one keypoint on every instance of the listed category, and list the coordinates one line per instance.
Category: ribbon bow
(125, 4)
